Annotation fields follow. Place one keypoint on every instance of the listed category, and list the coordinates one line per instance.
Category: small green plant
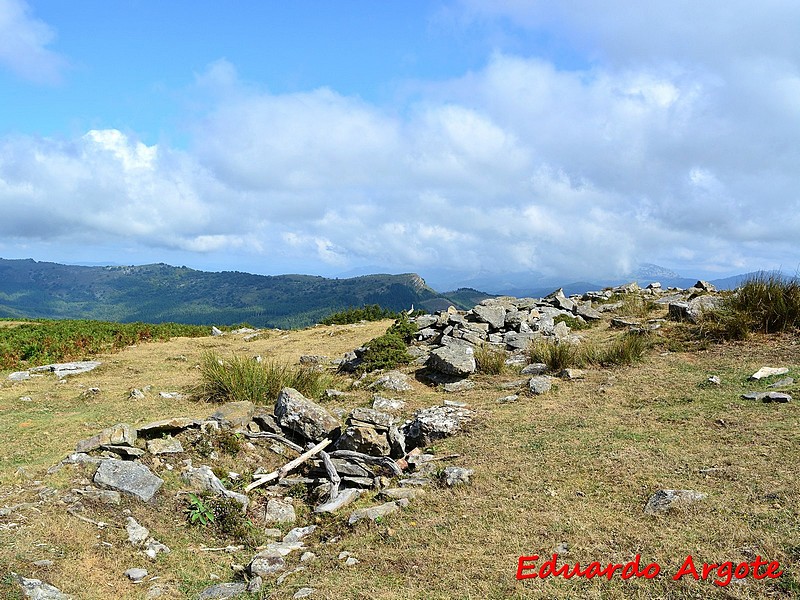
(572, 322)
(228, 441)
(490, 360)
(197, 512)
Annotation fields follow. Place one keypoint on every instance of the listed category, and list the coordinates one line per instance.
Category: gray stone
(588, 313)
(313, 360)
(137, 394)
(519, 341)
(452, 360)
(387, 404)
(459, 386)
(452, 476)
(301, 415)
(223, 591)
(436, 422)
(571, 374)
(394, 381)
(137, 534)
(70, 368)
(768, 396)
(281, 548)
(424, 321)
(376, 512)
(366, 440)
(118, 435)
(234, 414)
(786, 381)
(172, 426)
(299, 533)
(665, 500)
(714, 380)
(19, 376)
(203, 479)
(534, 369)
(255, 584)
(126, 452)
(495, 316)
(343, 498)
(765, 372)
(266, 563)
(131, 478)
(559, 300)
(164, 446)
(409, 493)
(101, 496)
(375, 418)
(540, 384)
(508, 399)
(279, 511)
(215, 331)
(135, 574)
(304, 592)
(39, 590)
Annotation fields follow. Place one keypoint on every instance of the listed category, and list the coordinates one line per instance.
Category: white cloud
(23, 44)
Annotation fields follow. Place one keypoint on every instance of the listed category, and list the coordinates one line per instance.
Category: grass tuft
(557, 355)
(490, 360)
(240, 379)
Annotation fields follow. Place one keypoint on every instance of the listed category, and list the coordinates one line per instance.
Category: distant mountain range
(160, 293)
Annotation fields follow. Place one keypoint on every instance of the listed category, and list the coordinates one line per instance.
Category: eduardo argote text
(721, 574)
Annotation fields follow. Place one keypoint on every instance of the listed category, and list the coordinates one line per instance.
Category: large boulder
(366, 440)
(495, 316)
(453, 360)
(300, 415)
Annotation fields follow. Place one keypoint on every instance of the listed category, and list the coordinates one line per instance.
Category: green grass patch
(490, 360)
(572, 322)
(626, 349)
(42, 342)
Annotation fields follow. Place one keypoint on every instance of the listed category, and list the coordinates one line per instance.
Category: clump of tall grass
(635, 305)
(557, 355)
(766, 303)
(490, 360)
(626, 349)
(239, 379)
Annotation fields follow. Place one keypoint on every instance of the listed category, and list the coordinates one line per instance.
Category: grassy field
(569, 470)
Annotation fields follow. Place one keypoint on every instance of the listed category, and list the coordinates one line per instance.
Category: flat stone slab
(765, 372)
(376, 512)
(118, 435)
(64, 369)
(167, 426)
(665, 500)
(131, 478)
(768, 397)
(164, 446)
(343, 498)
(222, 591)
(39, 590)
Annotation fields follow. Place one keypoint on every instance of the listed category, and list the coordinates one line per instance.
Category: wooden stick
(332, 474)
(378, 460)
(275, 436)
(293, 464)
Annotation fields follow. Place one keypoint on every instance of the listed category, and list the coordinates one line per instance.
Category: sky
(458, 139)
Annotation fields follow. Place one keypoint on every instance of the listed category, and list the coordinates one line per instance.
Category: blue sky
(459, 139)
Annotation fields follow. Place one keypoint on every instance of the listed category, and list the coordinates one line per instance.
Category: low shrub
(390, 349)
(370, 312)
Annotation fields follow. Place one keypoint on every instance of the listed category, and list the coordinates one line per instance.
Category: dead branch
(276, 437)
(383, 461)
(332, 474)
(291, 465)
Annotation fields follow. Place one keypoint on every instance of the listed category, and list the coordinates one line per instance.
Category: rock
(119, 435)
(765, 372)
(375, 418)
(588, 313)
(714, 380)
(131, 478)
(167, 445)
(38, 590)
(508, 399)
(571, 374)
(215, 331)
(495, 316)
(343, 498)
(305, 592)
(366, 440)
(255, 584)
(171, 426)
(452, 476)
(452, 360)
(301, 415)
(540, 384)
(704, 286)
(534, 369)
(387, 404)
(394, 381)
(459, 386)
(101, 496)
(559, 300)
(19, 376)
(222, 591)
(299, 533)
(436, 422)
(307, 556)
(519, 341)
(376, 512)
(351, 562)
(137, 394)
(313, 360)
(203, 479)
(153, 548)
(768, 396)
(281, 548)
(137, 534)
(693, 310)
(136, 575)
(266, 563)
(234, 414)
(786, 381)
(126, 452)
(279, 511)
(399, 493)
(665, 500)
(65, 369)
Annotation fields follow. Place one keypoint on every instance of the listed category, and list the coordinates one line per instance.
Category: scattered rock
(540, 384)
(203, 479)
(19, 376)
(38, 590)
(132, 478)
(171, 426)
(436, 422)
(779, 397)
(299, 414)
(376, 512)
(508, 399)
(394, 381)
(452, 360)
(279, 511)
(714, 380)
(366, 440)
(71, 368)
(534, 369)
(167, 445)
(136, 575)
(266, 563)
(459, 386)
(234, 414)
(765, 372)
(387, 404)
(665, 500)
(452, 476)
(118, 435)
(786, 381)
(343, 498)
(223, 591)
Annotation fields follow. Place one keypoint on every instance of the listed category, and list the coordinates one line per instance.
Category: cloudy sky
(452, 138)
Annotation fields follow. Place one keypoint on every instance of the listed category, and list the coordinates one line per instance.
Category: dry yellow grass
(573, 468)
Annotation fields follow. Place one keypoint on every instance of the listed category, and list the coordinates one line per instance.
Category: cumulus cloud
(23, 44)
(523, 164)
